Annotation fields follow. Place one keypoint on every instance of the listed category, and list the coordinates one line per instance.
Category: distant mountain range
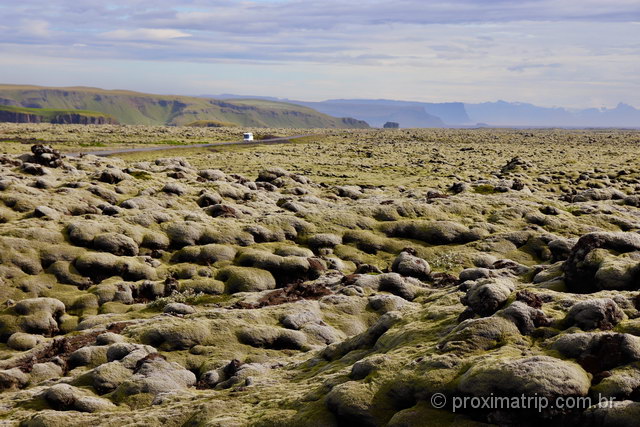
(503, 113)
(84, 104)
(409, 114)
(93, 106)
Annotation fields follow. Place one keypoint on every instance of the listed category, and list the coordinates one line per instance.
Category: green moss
(142, 175)
(484, 189)
(245, 279)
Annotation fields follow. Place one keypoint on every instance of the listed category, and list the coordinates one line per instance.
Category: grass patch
(485, 189)
(143, 175)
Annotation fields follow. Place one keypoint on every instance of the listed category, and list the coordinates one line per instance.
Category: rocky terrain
(343, 280)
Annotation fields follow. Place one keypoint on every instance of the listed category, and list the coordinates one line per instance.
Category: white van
(248, 136)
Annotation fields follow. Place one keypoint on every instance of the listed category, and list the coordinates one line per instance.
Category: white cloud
(150, 34)
(545, 51)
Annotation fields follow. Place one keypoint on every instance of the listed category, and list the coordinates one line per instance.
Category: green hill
(146, 109)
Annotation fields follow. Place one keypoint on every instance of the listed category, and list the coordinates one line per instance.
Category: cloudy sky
(574, 53)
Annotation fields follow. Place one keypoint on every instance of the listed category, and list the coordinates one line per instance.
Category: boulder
(178, 308)
(591, 267)
(531, 376)
(40, 315)
(245, 279)
(526, 318)
(599, 352)
(112, 176)
(115, 243)
(410, 265)
(272, 338)
(486, 296)
(21, 341)
(598, 313)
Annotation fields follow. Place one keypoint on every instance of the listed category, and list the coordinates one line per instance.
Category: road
(104, 153)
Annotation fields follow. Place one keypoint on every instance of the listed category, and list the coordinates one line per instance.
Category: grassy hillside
(147, 109)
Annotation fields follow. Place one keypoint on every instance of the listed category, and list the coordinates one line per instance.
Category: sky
(571, 53)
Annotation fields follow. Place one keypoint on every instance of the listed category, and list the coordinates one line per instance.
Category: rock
(386, 303)
(475, 273)
(92, 404)
(324, 240)
(40, 315)
(397, 285)
(362, 368)
(44, 371)
(61, 396)
(285, 269)
(155, 240)
(271, 174)
(599, 352)
(299, 319)
(208, 199)
(612, 414)
(46, 155)
(459, 187)
(112, 176)
(236, 373)
(33, 169)
(473, 335)
(531, 376)
(177, 334)
(582, 267)
(223, 211)
(212, 174)
(350, 191)
(245, 279)
(363, 340)
(434, 233)
(13, 378)
(104, 193)
(352, 404)
(174, 188)
(154, 375)
(21, 341)
(595, 194)
(619, 383)
(598, 313)
(89, 355)
(207, 254)
(46, 213)
(100, 266)
(120, 351)
(212, 378)
(486, 296)
(407, 264)
(322, 333)
(272, 338)
(262, 234)
(561, 248)
(115, 243)
(108, 376)
(108, 338)
(526, 318)
(178, 308)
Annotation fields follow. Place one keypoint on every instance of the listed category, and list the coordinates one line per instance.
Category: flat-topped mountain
(137, 108)
(46, 115)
